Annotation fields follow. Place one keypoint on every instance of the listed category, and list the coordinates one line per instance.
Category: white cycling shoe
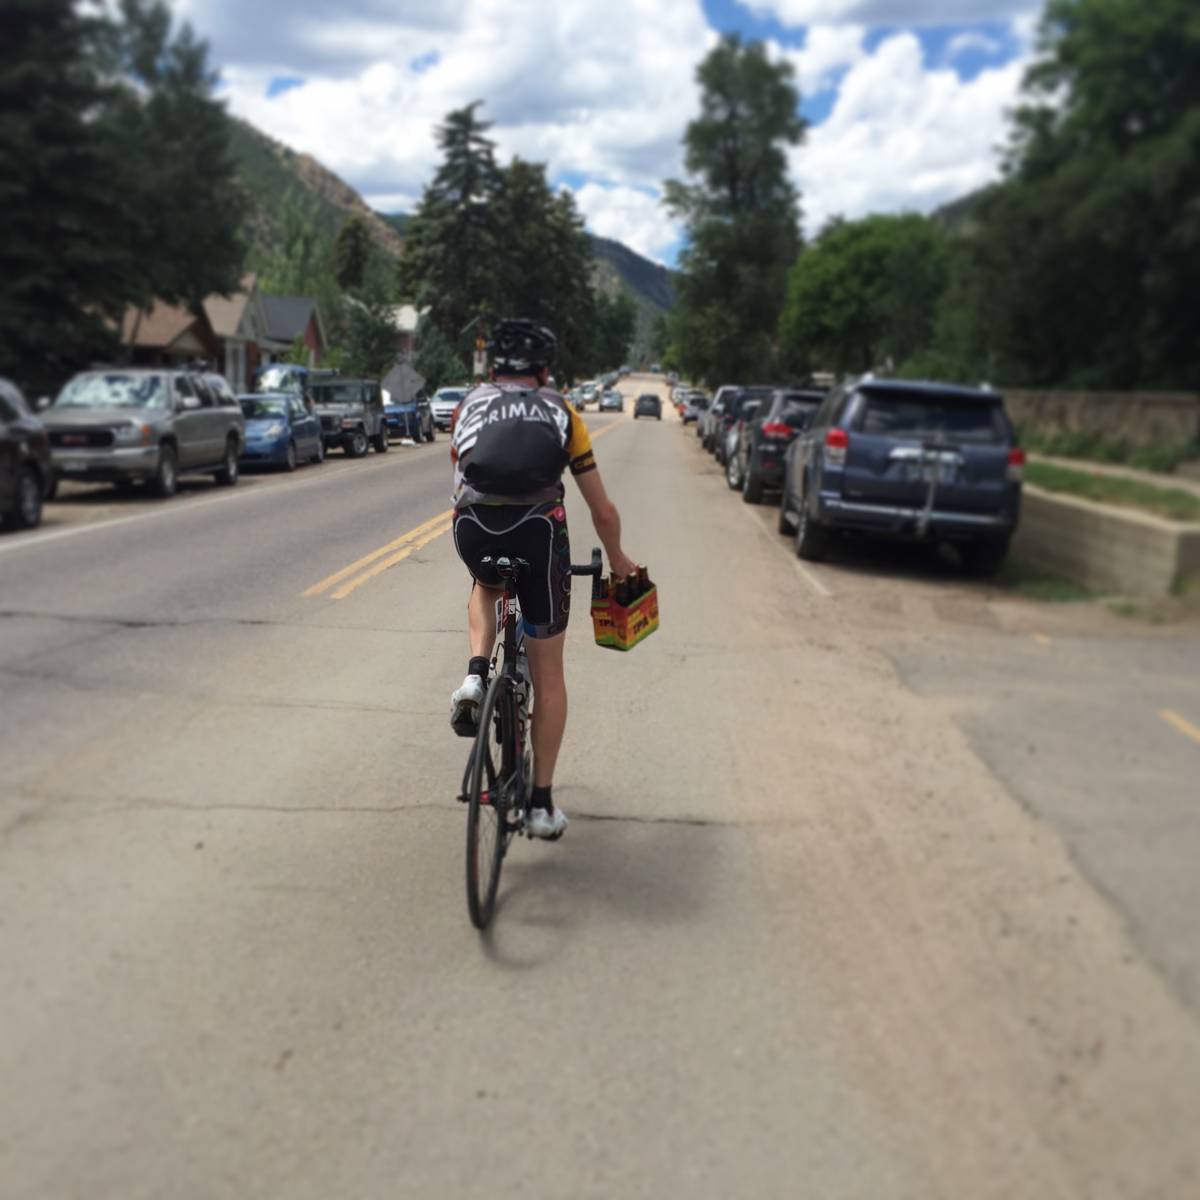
(542, 823)
(464, 706)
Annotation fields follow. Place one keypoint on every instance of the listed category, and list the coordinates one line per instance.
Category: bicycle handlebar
(595, 567)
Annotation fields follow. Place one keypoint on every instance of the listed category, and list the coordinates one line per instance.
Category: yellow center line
(1181, 724)
(390, 561)
(367, 559)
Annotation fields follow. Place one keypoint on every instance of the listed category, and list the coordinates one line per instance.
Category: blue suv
(906, 460)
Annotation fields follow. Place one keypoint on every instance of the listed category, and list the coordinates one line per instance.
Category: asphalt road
(878, 883)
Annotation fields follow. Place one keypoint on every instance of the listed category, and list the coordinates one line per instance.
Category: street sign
(403, 383)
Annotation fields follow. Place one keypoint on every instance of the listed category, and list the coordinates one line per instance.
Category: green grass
(1172, 503)
(1094, 447)
(1035, 584)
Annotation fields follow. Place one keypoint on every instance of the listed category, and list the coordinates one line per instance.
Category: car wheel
(227, 476)
(985, 557)
(733, 475)
(318, 455)
(752, 488)
(166, 477)
(432, 433)
(380, 441)
(289, 460)
(812, 540)
(356, 444)
(27, 500)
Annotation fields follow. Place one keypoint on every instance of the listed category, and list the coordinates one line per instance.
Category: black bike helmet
(519, 346)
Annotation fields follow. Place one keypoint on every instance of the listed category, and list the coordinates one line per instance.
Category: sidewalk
(1154, 478)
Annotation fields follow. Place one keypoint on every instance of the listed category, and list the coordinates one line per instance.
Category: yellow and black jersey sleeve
(579, 444)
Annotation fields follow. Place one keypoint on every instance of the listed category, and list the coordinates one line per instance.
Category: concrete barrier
(1115, 550)
(1138, 419)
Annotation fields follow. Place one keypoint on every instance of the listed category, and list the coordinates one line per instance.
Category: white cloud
(827, 50)
(796, 13)
(902, 136)
(629, 215)
(602, 90)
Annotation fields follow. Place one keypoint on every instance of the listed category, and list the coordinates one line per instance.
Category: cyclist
(513, 439)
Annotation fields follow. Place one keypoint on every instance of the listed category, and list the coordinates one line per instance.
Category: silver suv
(145, 425)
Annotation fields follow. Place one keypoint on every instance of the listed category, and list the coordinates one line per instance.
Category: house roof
(406, 318)
(225, 312)
(158, 327)
(286, 317)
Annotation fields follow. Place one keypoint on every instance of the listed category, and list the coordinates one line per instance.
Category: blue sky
(905, 98)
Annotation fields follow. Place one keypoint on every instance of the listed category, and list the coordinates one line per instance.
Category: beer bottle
(643, 581)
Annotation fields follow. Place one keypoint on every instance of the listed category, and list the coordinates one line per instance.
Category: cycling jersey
(512, 443)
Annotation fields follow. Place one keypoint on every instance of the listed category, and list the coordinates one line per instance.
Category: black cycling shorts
(538, 534)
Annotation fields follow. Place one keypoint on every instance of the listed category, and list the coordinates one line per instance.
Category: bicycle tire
(487, 805)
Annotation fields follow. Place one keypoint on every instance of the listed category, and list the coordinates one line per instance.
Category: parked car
(445, 403)
(757, 463)
(281, 430)
(351, 414)
(412, 420)
(906, 460)
(611, 401)
(706, 426)
(150, 425)
(26, 471)
(694, 406)
(737, 431)
(647, 405)
(731, 413)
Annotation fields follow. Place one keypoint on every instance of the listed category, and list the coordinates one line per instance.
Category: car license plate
(942, 472)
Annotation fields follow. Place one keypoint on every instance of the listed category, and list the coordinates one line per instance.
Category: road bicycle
(498, 781)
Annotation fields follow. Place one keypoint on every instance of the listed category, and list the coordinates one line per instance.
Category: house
(238, 323)
(286, 318)
(167, 333)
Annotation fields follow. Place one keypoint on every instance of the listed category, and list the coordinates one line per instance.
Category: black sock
(479, 666)
(541, 799)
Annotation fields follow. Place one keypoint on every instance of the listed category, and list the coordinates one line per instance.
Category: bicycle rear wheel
(490, 798)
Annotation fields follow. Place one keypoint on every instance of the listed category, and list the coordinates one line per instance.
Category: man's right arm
(606, 520)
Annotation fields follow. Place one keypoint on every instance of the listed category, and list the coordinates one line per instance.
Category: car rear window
(914, 415)
(797, 412)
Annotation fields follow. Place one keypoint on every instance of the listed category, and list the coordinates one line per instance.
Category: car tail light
(777, 429)
(1016, 464)
(837, 442)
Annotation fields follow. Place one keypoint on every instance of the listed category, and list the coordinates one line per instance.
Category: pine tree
(740, 211)
(352, 252)
(186, 206)
(65, 261)
(450, 256)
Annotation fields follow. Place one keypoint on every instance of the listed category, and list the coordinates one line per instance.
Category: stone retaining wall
(1140, 419)
(1108, 549)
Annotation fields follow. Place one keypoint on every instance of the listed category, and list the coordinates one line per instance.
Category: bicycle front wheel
(490, 798)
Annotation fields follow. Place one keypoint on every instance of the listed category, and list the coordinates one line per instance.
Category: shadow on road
(611, 871)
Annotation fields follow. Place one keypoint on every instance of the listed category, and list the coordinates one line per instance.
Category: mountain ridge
(271, 170)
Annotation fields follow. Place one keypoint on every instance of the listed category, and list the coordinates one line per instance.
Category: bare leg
(481, 619)
(549, 704)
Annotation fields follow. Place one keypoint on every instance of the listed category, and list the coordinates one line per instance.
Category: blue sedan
(280, 431)
(414, 420)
